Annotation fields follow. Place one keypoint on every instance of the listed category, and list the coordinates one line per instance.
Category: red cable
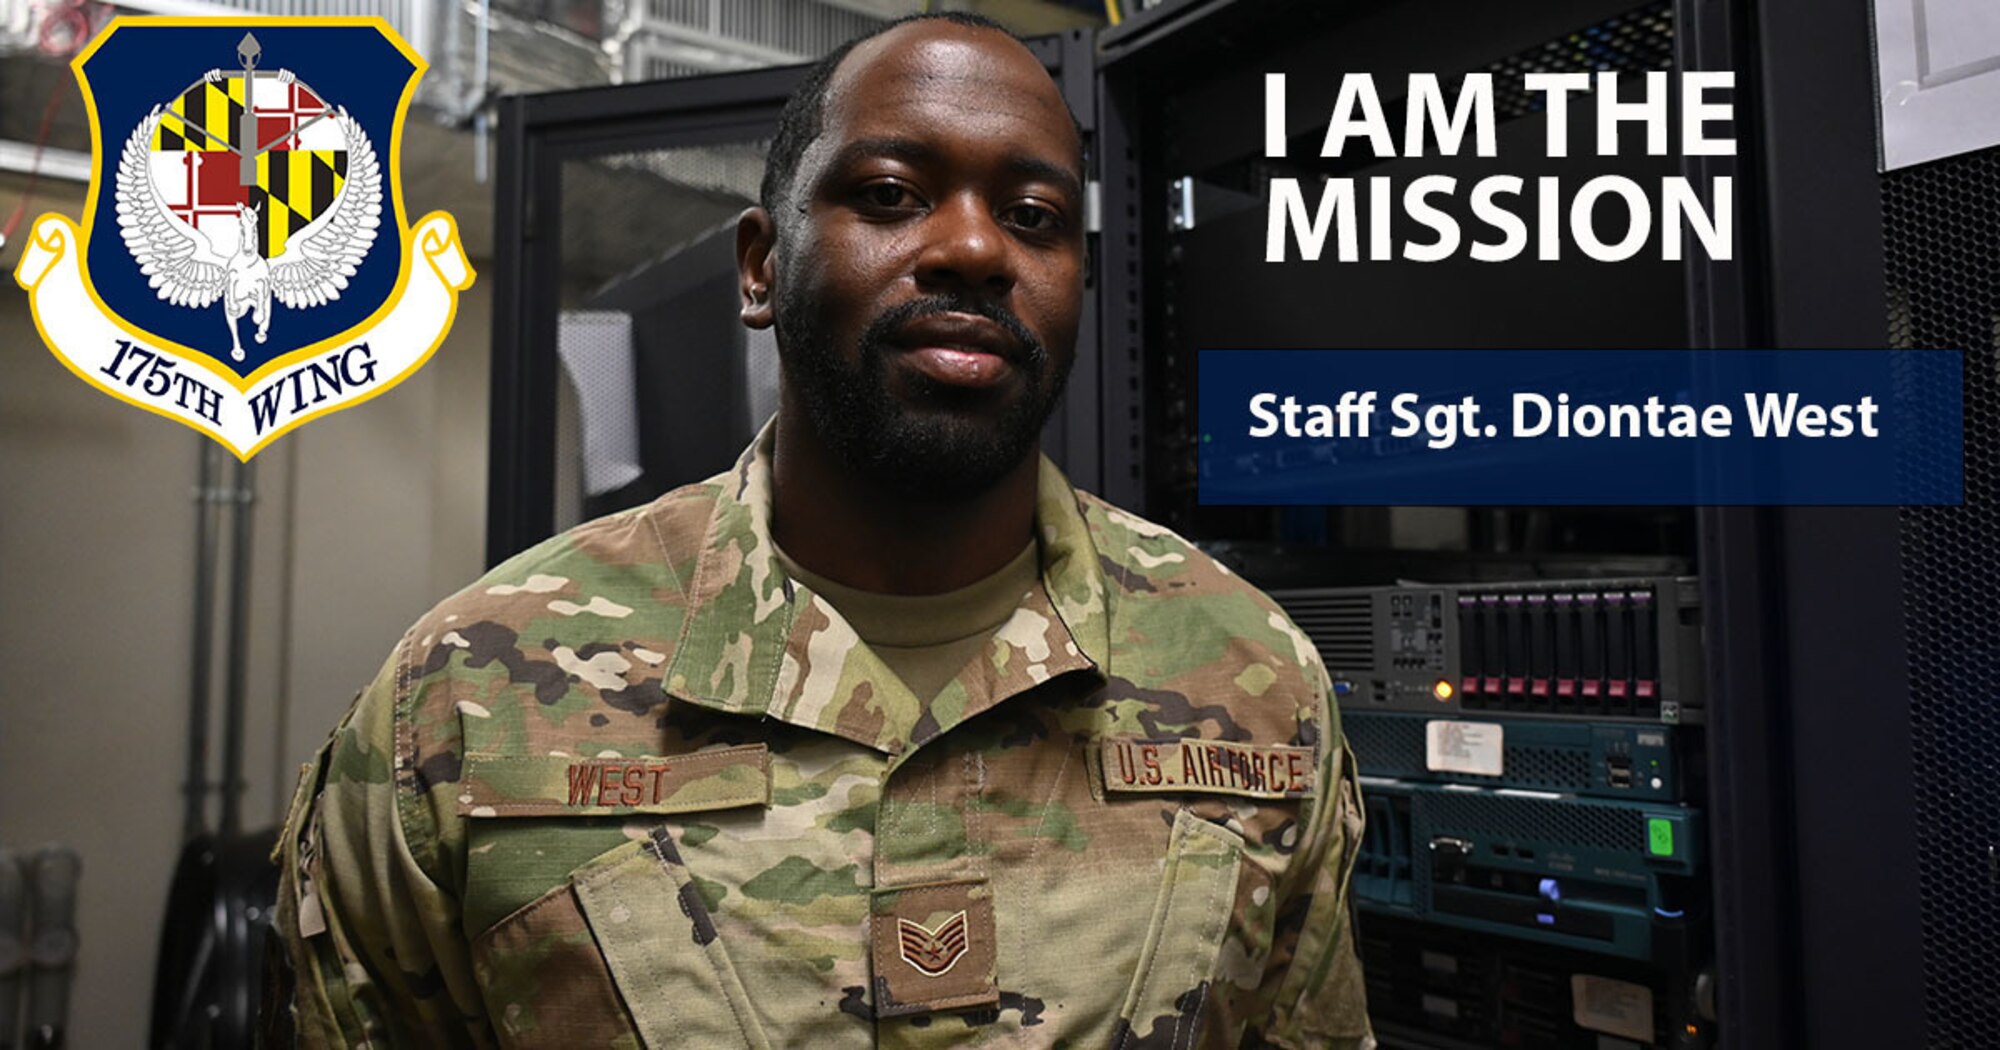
(35, 165)
(76, 16)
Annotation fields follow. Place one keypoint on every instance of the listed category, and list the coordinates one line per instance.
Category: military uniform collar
(757, 643)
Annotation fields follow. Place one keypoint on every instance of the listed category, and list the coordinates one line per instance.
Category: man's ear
(756, 236)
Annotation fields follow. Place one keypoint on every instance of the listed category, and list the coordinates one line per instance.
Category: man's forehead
(968, 80)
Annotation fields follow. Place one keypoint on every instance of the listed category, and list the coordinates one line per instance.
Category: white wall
(362, 520)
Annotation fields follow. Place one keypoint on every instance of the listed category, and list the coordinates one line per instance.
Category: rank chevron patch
(933, 950)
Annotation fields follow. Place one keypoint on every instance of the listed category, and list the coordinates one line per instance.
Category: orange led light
(1442, 690)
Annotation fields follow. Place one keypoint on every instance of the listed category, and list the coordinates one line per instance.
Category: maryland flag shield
(244, 264)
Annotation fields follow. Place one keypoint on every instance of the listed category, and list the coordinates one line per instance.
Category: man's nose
(966, 248)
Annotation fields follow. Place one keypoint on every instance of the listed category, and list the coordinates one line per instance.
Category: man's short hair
(804, 114)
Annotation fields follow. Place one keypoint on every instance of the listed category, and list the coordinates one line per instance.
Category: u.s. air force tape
(563, 785)
(1219, 766)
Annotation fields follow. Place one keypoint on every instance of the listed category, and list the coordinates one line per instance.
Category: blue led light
(1545, 919)
(1665, 914)
(1551, 889)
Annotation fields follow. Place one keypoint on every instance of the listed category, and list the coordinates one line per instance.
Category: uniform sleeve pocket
(544, 981)
(1170, 988)
(659, 943)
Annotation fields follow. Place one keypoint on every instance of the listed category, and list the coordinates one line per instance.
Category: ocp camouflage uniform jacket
(637, 788)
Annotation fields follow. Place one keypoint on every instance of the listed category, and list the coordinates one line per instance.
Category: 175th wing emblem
(262, 273)
(933, 950)
(281, 201)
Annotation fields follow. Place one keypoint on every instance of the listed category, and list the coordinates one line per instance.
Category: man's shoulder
(1164, 587)
(600, 605)
(1145, 561)
(648, 552)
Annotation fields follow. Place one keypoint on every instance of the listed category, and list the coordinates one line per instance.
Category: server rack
(1810, 731)
(1837, 640)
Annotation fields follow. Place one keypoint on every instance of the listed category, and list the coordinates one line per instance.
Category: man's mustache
(882, 331)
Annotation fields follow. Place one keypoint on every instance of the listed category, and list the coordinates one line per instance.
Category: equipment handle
(13, 950)
(52, 879)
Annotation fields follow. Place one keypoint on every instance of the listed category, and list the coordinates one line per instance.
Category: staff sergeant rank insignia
(933, 951)
(243, 264)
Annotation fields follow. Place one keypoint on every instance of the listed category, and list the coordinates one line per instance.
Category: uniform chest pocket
(624, 954)
(1191, 919)
(660, 945)
(622, 951)
(544, 981)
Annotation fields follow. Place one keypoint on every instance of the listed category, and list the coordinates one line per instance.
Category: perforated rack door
(1942, 234)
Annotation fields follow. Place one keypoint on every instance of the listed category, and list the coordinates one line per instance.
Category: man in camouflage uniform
(886, 737)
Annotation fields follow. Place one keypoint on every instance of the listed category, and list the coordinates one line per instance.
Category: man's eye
(1034, 218)
(887, 195)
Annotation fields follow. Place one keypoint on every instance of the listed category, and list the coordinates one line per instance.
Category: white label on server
(1463, 747)
(1440, 1006)
(1617, 1007)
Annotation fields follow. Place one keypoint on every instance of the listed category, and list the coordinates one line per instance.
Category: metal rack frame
(1809, 735)
(1811, 747)
(1809, 738)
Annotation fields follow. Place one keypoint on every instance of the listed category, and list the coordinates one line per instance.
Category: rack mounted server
(1530, 762)
(1586, 649)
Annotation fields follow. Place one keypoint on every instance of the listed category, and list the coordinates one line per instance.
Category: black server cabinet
(1852, 666)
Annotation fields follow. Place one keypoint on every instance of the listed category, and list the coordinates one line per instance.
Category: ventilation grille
(1942, 241)
(1394, 747)
(666, 69)
(809, 29)
(1385, 747)
(1637, 42)
(1565, 768)
(1341, 625)
(1536, 820)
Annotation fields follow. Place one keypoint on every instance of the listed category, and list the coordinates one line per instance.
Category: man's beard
(940, 448)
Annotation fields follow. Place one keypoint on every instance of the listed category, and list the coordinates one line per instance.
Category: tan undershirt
(927, 639)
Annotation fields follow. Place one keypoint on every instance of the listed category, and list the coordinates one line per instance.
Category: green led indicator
(1660, 836)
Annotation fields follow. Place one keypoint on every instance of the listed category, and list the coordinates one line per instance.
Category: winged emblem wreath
(246, 188)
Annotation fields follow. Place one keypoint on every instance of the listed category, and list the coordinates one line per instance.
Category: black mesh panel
(1942, 228)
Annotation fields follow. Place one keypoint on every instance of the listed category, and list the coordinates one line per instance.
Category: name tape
(1136, 764)
(563, 785)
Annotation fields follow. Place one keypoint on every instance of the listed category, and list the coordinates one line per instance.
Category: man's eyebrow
(1037, 168)
(912, 151)
(907, 150)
